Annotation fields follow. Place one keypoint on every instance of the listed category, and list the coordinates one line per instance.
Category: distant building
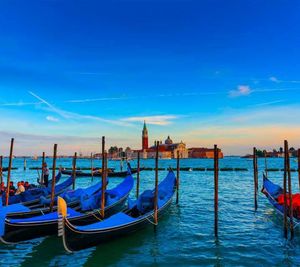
(166, 150)
(275, 154)
(201, 152)
(145, 140)
(272, 154)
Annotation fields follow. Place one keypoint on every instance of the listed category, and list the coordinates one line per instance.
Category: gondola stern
(62, 221)
(61, 233)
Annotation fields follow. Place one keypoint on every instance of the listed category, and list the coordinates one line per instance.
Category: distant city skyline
(205, 72)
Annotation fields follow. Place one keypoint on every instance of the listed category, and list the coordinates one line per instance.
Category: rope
(99, 219)
(151, 221)
(296, 224)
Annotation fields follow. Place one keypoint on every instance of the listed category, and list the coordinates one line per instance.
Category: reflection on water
(185, 235)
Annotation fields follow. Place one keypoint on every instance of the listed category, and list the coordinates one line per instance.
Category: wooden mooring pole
(1, 169)
(156, 185)
(25, 164)
(43, 163)
(103, 180)
(138, 176)
(255, 176)
(74, 169)
(290, 192)
(216, 182)
(298, 154)
(285, 228)
(92, 166)
(266, 163)
(53, 177)
(177, 177)
(9, 170)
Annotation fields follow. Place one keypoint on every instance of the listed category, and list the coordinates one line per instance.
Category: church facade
(166, 150)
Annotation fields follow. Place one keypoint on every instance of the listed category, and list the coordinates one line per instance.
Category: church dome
(168, 141)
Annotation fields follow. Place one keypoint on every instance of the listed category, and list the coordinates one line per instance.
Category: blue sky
(204, 72)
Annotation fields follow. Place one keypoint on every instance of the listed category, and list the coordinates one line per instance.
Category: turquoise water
(185, 235)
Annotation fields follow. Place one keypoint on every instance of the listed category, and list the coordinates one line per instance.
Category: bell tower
(145, 137)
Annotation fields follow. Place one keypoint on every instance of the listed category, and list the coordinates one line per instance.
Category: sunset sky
(204, 72)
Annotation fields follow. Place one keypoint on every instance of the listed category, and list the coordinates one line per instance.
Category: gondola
(272, 192)
(72, 198)
(139, 214)
(35, 187)
(16, 230)
(99, 173)
(32, 196)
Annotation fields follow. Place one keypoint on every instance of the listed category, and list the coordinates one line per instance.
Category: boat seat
(145, 201)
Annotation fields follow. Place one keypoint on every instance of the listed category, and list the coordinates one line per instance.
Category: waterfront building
(202, 152)
(167, 150)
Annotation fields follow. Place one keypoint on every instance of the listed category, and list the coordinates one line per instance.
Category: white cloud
(156, 120)
(274, 79)
(53, 119)
(75, 116)
(20, 104)
(268, 103)
(242, 90)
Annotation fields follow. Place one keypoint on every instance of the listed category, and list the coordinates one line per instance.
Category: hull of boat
(17, 232)
(75, 240)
